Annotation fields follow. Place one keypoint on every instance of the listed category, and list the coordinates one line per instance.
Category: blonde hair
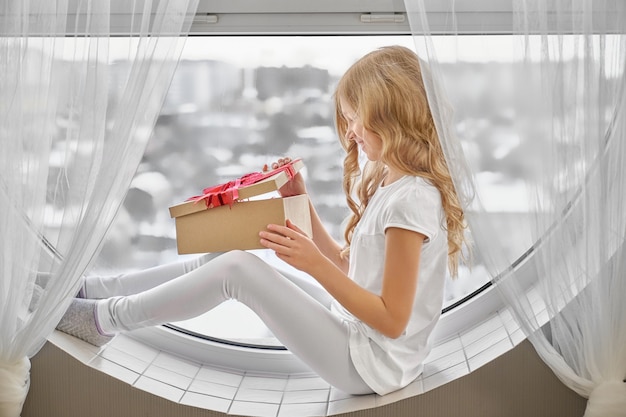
(386, 91)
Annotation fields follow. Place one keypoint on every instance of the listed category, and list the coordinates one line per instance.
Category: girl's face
(370, 143)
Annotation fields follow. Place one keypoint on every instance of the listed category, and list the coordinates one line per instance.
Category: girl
(366, 328)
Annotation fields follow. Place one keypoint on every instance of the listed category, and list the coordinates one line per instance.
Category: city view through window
(238, 103)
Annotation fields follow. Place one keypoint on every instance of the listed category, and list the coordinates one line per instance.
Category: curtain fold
(74, 123)
(559, 125)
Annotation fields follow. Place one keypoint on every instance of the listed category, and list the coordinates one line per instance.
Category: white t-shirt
(411, 203)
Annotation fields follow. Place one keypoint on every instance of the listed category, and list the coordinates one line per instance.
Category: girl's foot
(80, 321)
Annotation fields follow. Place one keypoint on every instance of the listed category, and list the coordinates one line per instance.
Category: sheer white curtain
(73, 128)
(566, 67)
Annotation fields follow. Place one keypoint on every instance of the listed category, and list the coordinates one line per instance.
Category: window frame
(328, 17)
(275, 17)
(365, 17)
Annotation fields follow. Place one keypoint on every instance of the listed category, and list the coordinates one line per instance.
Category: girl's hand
(292, 245)
(294, 187)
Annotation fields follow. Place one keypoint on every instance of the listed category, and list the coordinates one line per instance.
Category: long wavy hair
(386, 91)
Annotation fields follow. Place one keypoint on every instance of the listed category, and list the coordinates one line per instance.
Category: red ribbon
(228, 193)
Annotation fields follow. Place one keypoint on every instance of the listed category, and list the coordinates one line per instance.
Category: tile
(217, 376)
(308, 383)
(168, 377)
(354, 403)
(533, 294)
(306, 396)
(489, 354)
(159, 388)
(259, 395)
(505, 315)
(444, 363)
(510, 323)
(243, 408)
(517, 337)
(206, 402)
(444, 348)
(411, 390)
(445, 376)
(211, 388)
(478, 332)
(265, 383)
(486, 342)
(536, 300)
(81, 353)
(337, 394)
(177, 364)
(76, 348)
(133, 347)
(542, 317)
(114, 370)
(303, 410)
(124, 359)
(538, 305)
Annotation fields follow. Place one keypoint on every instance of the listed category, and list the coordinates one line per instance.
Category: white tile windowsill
(275, 395)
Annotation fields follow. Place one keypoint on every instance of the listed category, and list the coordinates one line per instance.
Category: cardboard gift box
(224, 218)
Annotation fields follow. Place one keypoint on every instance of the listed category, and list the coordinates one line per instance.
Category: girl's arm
(325, 242)
(388, 312)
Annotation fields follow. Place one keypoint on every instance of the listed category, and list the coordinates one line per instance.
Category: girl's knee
(239, 257)
(237, 262)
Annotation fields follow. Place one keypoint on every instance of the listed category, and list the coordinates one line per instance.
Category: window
(237, 103)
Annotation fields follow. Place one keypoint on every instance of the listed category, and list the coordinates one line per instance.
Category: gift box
(230, 216)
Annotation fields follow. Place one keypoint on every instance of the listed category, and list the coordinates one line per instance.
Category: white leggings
(295, 310)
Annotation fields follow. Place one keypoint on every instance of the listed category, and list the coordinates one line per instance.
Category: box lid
(270, 181)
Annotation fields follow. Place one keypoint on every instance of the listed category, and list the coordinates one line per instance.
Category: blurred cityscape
(218, 123)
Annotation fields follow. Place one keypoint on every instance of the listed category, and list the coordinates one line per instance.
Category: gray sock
(80, 321)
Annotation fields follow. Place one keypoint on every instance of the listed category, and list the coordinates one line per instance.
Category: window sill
(293, 391)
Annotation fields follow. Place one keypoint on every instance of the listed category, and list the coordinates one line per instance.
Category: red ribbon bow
(228, 193)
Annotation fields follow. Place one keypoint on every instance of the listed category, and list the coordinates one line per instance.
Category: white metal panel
(297, 17)
(325, 17)
(300, 6)
(346, 16)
